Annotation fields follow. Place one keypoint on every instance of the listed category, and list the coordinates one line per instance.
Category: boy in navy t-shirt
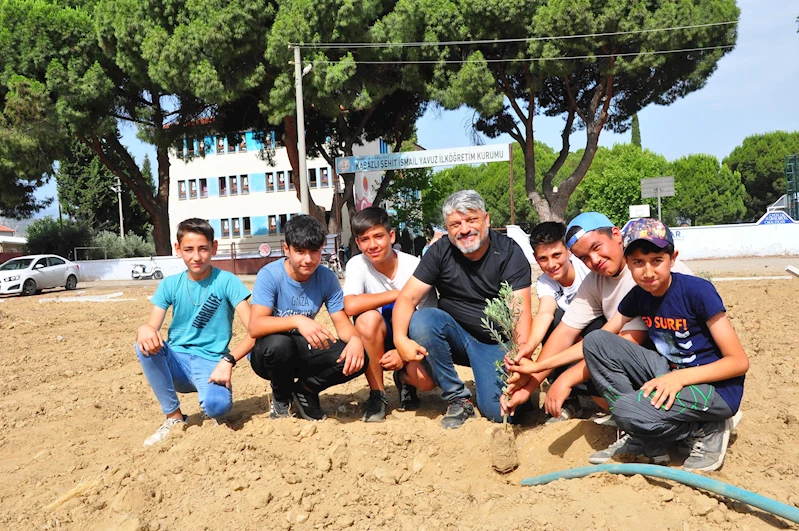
(690, 388)
(298, 355)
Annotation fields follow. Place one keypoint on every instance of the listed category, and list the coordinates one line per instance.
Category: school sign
(423, 159)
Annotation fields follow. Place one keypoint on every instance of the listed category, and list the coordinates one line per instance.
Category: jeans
(280, 358)
(170, 372)
(448, 344)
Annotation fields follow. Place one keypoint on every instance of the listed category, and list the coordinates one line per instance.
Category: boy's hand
(149, 340)
(508, 404)
(314, 333)
(517, 380)
(557, 394)
(525, 352)
(222, 373)
(352, 356)
(522, 366)
(391, 361)
(409, 350)
(663, 389)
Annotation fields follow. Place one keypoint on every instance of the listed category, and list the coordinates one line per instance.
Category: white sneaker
(162, 433)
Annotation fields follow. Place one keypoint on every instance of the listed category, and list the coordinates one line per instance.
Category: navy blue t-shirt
(677, 324)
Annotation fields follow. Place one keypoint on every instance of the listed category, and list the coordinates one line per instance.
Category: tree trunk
(290, 141)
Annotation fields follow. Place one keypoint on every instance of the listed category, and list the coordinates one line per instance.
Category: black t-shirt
(464, 285)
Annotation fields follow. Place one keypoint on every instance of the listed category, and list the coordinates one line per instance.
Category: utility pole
(118, 190)
(512, 206)
(298, 73)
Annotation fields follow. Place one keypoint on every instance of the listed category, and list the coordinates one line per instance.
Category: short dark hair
(607, 231)
(648, 247)
(305, 232)
(546, 233)
(197, 226)
(368, 218)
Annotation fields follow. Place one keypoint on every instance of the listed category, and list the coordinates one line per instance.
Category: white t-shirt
(362, 277)
(563, 295)
(600, 295)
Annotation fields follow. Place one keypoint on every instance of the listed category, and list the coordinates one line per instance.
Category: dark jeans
(619, 368)
(280, 358)
(585, 388)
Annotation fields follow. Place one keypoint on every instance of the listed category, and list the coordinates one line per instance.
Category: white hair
(463, 201)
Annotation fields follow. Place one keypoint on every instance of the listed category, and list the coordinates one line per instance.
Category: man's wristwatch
(229, 358)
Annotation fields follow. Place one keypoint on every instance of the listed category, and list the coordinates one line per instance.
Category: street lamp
(298, 73)
(118, 190)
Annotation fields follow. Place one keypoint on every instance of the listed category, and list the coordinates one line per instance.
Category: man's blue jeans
(170, 372)
(448, 344)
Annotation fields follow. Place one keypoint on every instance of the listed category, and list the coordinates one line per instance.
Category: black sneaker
(308, 404)
(375, 410)
(280, 409)
(458, 411)
(408, 399)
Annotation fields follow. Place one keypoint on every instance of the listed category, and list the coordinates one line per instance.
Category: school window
(245, 185)
(247, 228)
(236, 228)
(226, 228)
(290, 182)
(325, 177)
(272, 224)
(203, 188)
(312, 178)
(202, 147)
(231, 146)
(192, 189)
(190, 146)
(234, 185)
(222, 186)
(181, 189)
(243, 145)
(270, 182)
(179, 149)
(220, 145)
(283, 219)
(281, 180)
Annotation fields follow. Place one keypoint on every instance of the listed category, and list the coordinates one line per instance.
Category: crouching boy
(196, 357)
(688, 389)
(298, 355)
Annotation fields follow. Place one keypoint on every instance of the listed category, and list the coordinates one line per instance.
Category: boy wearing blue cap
(689, 387)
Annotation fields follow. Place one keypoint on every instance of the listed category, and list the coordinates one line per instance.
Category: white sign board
(423, 158)
(657, 187)
(639, 211)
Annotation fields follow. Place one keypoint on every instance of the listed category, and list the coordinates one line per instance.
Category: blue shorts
(386, 311)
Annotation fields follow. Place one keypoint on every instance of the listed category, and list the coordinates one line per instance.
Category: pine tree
(636, 141)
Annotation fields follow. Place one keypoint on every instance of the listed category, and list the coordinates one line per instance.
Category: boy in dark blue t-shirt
(297, 354)
(690, 388)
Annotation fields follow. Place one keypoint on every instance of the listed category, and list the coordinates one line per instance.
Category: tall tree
(760, 160)
(636, 131)
(705, 192)
(508, 83)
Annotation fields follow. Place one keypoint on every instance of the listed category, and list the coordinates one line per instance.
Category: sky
(752, 91)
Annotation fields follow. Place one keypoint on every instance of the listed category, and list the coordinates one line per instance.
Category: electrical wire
(320, 45)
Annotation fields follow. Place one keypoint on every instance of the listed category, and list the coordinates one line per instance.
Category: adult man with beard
(466, 268)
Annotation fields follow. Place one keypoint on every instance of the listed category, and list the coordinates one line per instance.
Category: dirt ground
(75, 409)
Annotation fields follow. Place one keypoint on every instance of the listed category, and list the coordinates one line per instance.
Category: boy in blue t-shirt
(690, 388)
(298, 355)
(196, 358)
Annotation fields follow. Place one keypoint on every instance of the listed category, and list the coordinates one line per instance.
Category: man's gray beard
(472, 248)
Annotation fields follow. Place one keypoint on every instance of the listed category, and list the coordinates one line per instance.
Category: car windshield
(23, 263)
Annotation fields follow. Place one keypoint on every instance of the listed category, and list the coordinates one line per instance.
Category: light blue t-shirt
(202, 312)
(275, 289)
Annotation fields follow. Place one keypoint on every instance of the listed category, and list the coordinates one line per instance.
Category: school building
(246, 199)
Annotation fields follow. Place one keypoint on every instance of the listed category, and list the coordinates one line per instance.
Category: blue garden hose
(687, 478)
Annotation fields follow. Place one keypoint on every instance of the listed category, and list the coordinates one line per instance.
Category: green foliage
(636, 132)
(706, 192)
(51, 236)
(132, 246)
(414, 211)
(760, 160)
(504, 310)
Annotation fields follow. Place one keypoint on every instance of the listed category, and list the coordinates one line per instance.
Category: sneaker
(408, 399)
(604, 419)
(279, 409)
(308, 404)
(375, 410)
(628, 445)
(571, 409)
(162, 433)
(709, 446)
(685, 446)
(458, 411)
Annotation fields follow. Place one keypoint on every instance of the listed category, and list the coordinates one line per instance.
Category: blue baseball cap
(587, 221)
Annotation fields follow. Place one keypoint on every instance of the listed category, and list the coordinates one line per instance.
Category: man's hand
(391, 361)
(352, 356)
(222, 373)
(149, 340)
(557, 394)
(409, 350)
(517, 380)
(508, 404)
(663, 389)
(315, 334)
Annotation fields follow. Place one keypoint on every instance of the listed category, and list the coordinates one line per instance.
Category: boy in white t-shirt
(374, 279)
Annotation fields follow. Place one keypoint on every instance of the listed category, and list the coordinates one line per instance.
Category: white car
(31, 274)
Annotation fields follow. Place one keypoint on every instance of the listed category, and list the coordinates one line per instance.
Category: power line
(532, 59)
(327, 45)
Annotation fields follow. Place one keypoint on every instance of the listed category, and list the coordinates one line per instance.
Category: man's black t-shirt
(464, 285)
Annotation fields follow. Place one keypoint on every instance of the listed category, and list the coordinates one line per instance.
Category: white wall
(727, 241)
(119, 269)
